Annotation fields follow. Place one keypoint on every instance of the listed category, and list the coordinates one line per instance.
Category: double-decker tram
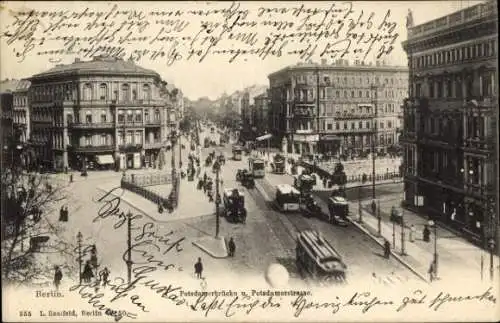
(316, 258)
(287, 198)
(237, 151)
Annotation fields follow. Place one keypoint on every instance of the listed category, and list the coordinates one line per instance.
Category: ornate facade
(335, 109)
(106, 111)
(450, 124)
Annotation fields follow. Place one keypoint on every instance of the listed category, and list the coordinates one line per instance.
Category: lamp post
(433, 224)
(173, 136)
(180, 151)
(93, 259)
(217, 197)
(129, 247)
(359, 205)
(79, 240)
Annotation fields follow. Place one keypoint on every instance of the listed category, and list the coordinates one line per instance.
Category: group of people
(86, 275)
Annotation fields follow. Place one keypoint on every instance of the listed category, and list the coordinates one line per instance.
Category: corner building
(337, 109)
(450, 120)
(106, 112)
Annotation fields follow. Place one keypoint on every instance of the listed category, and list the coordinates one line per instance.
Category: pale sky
(214, 75)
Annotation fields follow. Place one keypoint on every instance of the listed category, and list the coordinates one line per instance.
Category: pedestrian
(87, 274)
(387, 249)
(232, 247)
(198, 268)
(426, 233)
(57, 277)
(71, 178)
(104, 274)
(412, 233)
(432, 270)
(61, 214)
(374, 207)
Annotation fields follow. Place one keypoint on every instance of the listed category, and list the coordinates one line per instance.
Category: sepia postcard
(278, 161)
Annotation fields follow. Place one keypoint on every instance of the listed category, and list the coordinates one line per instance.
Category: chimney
(77, 60)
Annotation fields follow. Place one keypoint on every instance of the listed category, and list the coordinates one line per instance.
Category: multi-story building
(105, 111)
(21, 116)
(337, 108)
(450, 132)
(260, 114)
(8, 135)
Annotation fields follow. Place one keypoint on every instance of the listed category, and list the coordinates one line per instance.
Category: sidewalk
(192, 202)
(456, 257)
(320, 187)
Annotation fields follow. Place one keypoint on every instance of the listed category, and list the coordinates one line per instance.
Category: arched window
(103, 91)
(125, 92)
(146, 91)
(87, 92)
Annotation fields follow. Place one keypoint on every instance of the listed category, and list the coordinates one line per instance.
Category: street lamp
(79, 238)
(173, 137)
(433, 224)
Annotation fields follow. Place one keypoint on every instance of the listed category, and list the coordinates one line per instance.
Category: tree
(27, 200)
(185, 124)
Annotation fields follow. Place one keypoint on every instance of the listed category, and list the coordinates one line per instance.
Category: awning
(264, 137)
(105, 159)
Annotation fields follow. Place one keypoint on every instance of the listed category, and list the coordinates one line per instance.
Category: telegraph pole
(129, 247)
(403, 251)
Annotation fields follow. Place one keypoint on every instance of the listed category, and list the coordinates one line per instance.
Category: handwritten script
(231, 31)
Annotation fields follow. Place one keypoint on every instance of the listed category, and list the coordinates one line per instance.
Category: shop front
(329, 145)
(305, 144)
(130, 157)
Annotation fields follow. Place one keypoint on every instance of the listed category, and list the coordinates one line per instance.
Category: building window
(360, 125)
(389, 124)
(129, 137)
(337, 94)
(345, 94)
(102, 140)
(345, 125)
(87, 92)
(329, 126)
(138, 138)
(69, 118)
(125, 92)
(449, 87)
(337, 126)
(120, 137)
(103, 91)
(121, 117)
(458, 88)
(157, 115)
(103, 116)
(352, 94)
(431, 89)
(138, 116)
(381, 125)
(130, 116)
(353, 126)
(88, 117)
(367, 125)
(439, 89)
(146, 115)
(134, 95)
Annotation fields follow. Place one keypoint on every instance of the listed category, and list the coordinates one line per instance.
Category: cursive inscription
(173, 33)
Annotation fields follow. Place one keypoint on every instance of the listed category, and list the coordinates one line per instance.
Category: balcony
(153, 145)
(122, 103)
(440, 141)
(91, 125)
(303, 113)
(130, 147)
(91, 148)
(152, 123)
(351, 115)
(130, 124)
(354, 131)
(477, 144)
